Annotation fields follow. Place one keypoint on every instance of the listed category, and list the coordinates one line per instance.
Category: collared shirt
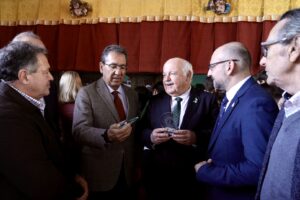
(121, 95)
(185, 98)
(232, 92)
(40, 104)
(292, 105)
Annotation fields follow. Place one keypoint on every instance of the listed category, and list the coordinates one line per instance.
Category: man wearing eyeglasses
(242, 130)
(107, 147)
(280, 175)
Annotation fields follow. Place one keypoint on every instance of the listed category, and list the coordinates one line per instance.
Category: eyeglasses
(211, 66)
(265, 45)
(114, 66)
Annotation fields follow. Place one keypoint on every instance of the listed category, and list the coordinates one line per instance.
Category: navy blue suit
(169, 167)
(238, 145)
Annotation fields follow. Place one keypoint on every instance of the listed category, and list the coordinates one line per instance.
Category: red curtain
(149, 44)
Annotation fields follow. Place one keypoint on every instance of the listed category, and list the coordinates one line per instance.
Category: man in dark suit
(174, 144)
(108, 148)
(32, 165)
(241, 133)
(51, 102)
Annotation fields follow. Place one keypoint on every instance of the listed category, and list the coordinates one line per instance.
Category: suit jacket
(94, 112)
(51, 114)
(291, 126)
(32, 165)
(238, 144)
(171, 158)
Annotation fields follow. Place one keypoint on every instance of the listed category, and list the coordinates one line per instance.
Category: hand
(83, 183)
(159, 135)
(200, 164)
(115, 133)
(185, 137)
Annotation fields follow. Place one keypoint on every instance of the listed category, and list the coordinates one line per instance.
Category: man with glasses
(242, 130)
(280, 175)
(107, 146)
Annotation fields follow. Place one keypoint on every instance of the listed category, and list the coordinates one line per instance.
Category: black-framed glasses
(212, 65)
(265, 45)
(114, 66)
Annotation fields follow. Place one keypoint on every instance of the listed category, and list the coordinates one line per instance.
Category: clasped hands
(118, 133)
(160, 135)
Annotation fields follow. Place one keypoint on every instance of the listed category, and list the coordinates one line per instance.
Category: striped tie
(176, 112)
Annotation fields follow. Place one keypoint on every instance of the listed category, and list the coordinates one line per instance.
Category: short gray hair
(292, 28)
(187, 67)
(16, 56)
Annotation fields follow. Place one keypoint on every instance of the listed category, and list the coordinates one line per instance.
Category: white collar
(232, 92)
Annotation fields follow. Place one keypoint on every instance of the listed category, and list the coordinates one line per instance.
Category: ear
(22, 76)
(101, 67)
(294, 49)
(229, 68)
(189, 75)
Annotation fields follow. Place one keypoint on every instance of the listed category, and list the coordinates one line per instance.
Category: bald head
(235, 50)
(30, 38)
(230, 63)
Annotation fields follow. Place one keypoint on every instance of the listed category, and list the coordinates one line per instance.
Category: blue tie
(176, 112)
(223, 107)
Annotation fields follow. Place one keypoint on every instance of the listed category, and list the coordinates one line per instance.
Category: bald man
(172, 147)
(242, 130)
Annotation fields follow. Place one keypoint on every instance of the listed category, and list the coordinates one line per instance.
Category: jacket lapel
(104, 94)
(130, 103)
(233, 104)
(191, 108)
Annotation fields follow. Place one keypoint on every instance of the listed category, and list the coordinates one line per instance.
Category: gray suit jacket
(94, 112)
(290, 126)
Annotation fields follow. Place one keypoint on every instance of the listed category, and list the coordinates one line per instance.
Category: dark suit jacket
(94, 112)
(173, 159)
(238, 145)
(52, 109)
(32, 165)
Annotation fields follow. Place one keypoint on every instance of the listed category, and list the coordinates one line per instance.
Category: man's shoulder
(257, 91)
(90, 87)
(200, 94)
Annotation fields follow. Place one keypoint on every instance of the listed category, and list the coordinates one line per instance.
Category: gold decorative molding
(54, 12)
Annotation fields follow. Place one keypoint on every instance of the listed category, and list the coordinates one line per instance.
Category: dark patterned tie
(176, 112)
(223, 107)
(119, 105)
(222, 111)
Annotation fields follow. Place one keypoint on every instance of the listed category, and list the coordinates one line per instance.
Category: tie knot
(115, 92)
(224, 101)
(178, 99)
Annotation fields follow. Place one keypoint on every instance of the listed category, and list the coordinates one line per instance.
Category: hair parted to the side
(16, 56)
(292, 28)
(69, 85)
(113, 48)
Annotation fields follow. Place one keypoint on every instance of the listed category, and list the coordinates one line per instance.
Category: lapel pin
(195, 100)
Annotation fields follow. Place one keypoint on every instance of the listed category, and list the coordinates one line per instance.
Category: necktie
(223, 107)
(176, 112)
(119, 105)
(222, 110)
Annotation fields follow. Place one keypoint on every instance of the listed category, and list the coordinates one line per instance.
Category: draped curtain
(151, 30)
